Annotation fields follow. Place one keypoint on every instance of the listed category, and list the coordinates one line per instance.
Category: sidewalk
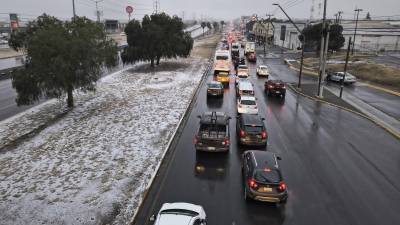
(353, 104)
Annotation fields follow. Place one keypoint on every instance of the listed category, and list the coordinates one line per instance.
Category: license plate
(211, 148)
(265, 189)
(278, 92)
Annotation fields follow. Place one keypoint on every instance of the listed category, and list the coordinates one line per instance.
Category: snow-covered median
(92, 165)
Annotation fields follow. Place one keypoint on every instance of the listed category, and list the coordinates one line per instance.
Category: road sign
(129, 9)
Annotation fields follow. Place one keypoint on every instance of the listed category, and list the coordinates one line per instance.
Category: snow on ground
(92, 165)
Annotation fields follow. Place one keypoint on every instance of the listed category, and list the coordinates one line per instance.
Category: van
(244, 88)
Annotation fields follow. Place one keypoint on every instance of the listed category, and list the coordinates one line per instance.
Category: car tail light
(240, 105)
(255, 107)
(282, 187)
(264, 134)
(196, 139)
(226, 141)
(242, 133)
(253, 184)
(283, 86)
(270, 86)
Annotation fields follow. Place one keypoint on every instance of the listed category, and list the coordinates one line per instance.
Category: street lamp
(355, 30)
(303, 41)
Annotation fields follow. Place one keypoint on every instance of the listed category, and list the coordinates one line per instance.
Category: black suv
(215, 88)
(250, 130)
(213, 134)
(262, 177)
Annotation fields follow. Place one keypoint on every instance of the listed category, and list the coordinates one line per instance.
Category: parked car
(247, 104)
(244, 87)
(338, 76)
(223, 77)
(288, 61)
(275, 87)
(262, 71)
(213, 133)
(262, 177)
(180, 213)
(250, 130)
(215, 88)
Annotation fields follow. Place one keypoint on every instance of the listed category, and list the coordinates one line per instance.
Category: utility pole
(73, 8)
(345, 68)
(303, 43)
(97, 10)
(339, 15)
(322, 52)
(355, 30)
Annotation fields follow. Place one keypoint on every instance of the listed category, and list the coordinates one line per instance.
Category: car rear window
(222, 57)
(223, 74)
(253, 129)
(242, 67)
(214, 85)
(209, 130)
(180, 212)
(267, 176)
(247, 102)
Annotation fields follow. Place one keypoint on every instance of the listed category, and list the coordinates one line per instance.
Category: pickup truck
(213, 133)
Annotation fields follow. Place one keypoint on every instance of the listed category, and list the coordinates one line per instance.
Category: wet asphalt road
(340, 168)
(385, 102)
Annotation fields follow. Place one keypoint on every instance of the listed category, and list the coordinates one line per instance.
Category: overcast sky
(219, 9)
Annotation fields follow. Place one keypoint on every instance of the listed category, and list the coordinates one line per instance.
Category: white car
(180, 213)
(247, 105)
(262, 71)
(338, 76)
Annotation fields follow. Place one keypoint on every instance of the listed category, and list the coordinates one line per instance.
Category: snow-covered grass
(92, 165)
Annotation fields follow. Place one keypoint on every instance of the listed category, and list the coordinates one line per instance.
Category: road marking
(382, 89)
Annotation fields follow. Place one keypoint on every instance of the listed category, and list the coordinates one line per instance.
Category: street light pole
(322, 59)
(355, 30)
(303, 41)
(73, 8)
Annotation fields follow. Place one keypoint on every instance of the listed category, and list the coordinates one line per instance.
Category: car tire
(283, 96)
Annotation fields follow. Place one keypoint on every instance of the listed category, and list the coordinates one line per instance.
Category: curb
(393, 133)
(382, 89)
(167, 148)
(304, 72)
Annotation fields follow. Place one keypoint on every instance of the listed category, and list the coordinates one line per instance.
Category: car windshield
(242, 75)
(214, 85)
(247, 102)
(222, 57)
(263, 68)
(253, 129)
(267, 176)
(180, 212)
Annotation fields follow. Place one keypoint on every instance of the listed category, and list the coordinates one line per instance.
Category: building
(286, 35)
(263, 30)
(373, 35)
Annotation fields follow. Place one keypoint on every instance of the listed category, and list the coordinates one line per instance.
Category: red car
(252, 57)
(275, 87)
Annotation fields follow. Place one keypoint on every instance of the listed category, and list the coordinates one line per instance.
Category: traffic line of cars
(261, 175)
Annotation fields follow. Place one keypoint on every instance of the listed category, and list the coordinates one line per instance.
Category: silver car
(338, 76)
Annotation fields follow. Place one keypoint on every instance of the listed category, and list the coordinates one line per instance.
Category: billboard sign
(283, 32)
(14, 21)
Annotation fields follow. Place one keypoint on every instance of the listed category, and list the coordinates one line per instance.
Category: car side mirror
(278, 158)
(229, 117)
(152, 218)
(198, 116)
(263, 118)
